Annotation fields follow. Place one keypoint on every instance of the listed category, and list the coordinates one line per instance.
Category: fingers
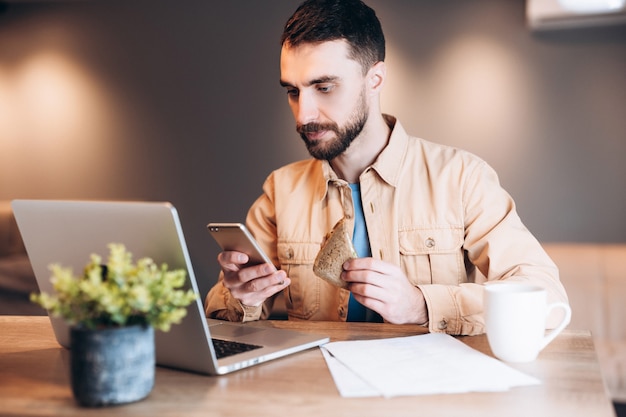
(370, 264)
(384, 288)
(254, 292)
(254, 273)
(369, 279)
(370, 271)
(251, 285)
(372, 282)
(231, 260)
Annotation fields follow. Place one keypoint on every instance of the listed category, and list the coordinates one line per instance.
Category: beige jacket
(438, 212)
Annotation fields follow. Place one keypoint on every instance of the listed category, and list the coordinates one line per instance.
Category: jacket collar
(391, 160)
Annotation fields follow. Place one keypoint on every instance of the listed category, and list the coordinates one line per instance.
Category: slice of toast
(336, 249)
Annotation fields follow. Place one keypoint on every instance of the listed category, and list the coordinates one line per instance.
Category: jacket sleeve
(220, 304)
(500, 247)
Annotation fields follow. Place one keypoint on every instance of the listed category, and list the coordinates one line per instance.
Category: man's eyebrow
(320, 80)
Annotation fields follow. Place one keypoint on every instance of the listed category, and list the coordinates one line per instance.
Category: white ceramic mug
(515, 320)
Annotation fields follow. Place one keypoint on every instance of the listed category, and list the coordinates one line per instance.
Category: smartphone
(236, 237)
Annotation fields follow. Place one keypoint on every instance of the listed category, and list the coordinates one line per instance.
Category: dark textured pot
(113, 365)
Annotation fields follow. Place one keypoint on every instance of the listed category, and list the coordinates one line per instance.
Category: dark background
(179, 101)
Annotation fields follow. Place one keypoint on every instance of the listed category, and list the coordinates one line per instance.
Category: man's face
(326, 94)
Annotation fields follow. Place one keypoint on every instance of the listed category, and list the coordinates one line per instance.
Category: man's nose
(306, 110)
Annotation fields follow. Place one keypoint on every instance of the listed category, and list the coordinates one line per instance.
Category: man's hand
(384, 288)
(251, 285)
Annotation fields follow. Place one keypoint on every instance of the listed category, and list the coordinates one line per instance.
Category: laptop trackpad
(233, 331)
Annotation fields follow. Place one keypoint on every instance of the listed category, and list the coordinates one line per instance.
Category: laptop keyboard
(224, 348)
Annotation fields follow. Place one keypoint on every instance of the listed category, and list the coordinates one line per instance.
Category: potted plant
(112, 310)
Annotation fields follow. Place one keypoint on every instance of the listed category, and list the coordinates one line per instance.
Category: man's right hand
(251, 285)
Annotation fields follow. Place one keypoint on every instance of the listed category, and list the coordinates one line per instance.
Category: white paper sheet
(416, 365)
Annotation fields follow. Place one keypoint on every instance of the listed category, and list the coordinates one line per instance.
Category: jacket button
(430, 243)
(443, 324)
(290, 253)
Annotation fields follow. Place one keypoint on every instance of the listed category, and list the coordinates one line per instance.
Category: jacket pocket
(303, 295)
(433, 255)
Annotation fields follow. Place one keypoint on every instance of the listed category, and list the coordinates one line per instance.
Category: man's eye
(292, 92)
(325, 88)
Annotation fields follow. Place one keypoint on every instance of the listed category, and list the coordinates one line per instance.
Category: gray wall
(179, 101)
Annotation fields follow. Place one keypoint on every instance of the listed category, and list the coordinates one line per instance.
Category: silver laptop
(68, 232)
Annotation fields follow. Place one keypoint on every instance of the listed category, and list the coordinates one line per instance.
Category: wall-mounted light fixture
(592, 6)
(571, 14)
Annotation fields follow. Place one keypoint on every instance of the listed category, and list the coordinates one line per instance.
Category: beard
(344, 135)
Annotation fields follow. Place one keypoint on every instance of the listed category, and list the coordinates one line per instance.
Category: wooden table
(34, 381)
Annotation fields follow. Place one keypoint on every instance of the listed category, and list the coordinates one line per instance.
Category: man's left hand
(384, 288)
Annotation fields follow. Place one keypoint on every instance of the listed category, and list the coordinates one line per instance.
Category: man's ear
(376, 77)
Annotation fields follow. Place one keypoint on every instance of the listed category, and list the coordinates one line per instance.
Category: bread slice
(336, 249)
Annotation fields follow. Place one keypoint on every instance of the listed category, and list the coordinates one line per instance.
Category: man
(430, 222)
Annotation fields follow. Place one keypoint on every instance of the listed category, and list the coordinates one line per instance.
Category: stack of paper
(416, 365)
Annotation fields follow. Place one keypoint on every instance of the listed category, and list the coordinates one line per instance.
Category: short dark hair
(327, 20)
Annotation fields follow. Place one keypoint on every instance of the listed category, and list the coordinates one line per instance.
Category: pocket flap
(423, 241)
(300, 253)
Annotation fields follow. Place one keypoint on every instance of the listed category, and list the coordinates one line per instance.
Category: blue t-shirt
(361, 242)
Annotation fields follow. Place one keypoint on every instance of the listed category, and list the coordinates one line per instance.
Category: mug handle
(549, 337)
